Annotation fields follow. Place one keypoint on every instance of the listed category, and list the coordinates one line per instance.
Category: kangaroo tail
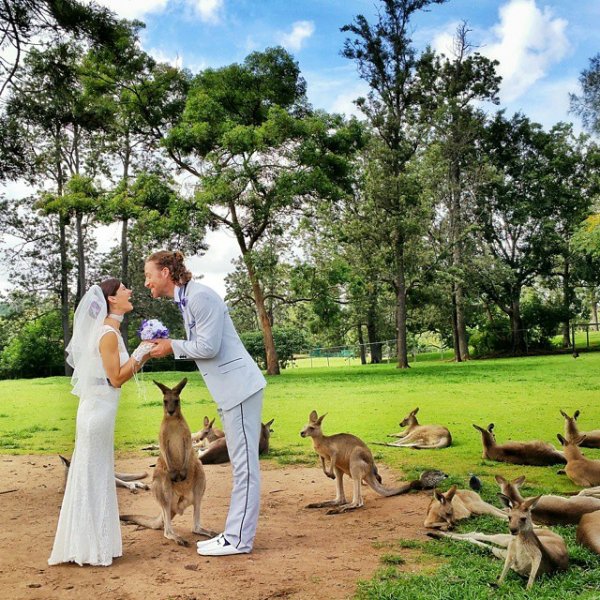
(149, 522)
(375, 484)
(376, 474)
(131, 476)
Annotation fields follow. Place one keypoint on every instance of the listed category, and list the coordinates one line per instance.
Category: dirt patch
(299, 553)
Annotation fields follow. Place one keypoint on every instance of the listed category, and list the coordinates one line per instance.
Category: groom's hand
(161, 348)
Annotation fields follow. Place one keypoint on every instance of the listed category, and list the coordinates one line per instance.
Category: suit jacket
(230, 373)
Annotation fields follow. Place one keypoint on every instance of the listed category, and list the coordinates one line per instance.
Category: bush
(36, 350)
(288, 341)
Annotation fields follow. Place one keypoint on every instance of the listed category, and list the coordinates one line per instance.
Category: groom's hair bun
(173, 261)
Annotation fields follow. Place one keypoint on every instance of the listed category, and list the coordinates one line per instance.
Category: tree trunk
(401, 311)
(455, 342)
(594, 303)
(566, 332)
(64, 289)
(361, 346)
(265, 322)
(518, 334)
(461, 327)
(81, 284)
(374, 342)
(125, 274)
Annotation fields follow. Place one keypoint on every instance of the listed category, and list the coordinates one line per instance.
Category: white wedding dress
(88, 529)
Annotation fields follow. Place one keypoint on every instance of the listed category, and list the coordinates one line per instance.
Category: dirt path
(299, 553)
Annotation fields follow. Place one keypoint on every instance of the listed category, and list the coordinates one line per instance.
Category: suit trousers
(242, 426)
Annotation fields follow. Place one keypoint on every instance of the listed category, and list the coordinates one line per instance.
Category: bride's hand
(142, 352)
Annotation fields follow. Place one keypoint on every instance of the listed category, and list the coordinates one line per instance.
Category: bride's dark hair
(174, 262)
(109, 287)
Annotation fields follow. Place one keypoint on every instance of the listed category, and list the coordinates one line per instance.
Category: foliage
(288, 341)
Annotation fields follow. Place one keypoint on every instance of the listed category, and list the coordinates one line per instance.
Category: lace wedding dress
(88, 529)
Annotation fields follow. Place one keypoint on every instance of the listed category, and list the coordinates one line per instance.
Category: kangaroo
(580, 470)
(178, 479)
(446, 509)
(550, 509)
(207, 434)
(347, 455)
(592, 438)
(421, 437)
(216, 452)
(528, 551)
(535, 453)
(588, 531)
(129, 481)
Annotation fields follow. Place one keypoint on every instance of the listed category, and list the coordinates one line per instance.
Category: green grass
(521, 396)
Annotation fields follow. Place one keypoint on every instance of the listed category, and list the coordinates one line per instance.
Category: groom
(233, 380)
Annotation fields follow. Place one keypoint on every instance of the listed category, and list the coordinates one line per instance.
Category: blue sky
(542, 45)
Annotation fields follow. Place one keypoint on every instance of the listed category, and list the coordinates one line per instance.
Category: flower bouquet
(150, 329)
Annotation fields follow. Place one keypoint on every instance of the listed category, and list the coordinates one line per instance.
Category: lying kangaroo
(530, 552)
(592, 438)
(178, 479)
(421, 437)
(347, 455)
(535, 453)
(446, 509)
(129, 481)
(216, 452)
(207, 434)
(550, 509)
(580, 470)
(588, 531)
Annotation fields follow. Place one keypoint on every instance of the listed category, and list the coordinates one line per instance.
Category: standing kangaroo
(207, 434)
(530, 552)
(216, 452)
(421, 437)
(580, 470)
(535, 453)
(550, 509)
(592, 438)
(178, 479)
(446, 509)
(347, 455)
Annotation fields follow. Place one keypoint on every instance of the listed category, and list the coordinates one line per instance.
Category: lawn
(521, 396)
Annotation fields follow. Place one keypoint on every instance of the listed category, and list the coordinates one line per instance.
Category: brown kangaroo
(446, 509)
(588, 531)
(592, 438)
(535, 453)
(580, 470)
(178, 479)
(550, 509)
(216, 452)
(421, 437)
(347, 455)
(530, 552)
(207, 434)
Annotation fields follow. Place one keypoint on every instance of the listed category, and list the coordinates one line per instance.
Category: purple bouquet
(152, 329)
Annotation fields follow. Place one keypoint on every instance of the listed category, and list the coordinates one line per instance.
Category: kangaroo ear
(561, 439)
(478, 428)
(65, 460)
(519, 481)
(564, 414)
(439, 497)
(177, 389)
(269, 423)
(580, 439)
(450, 493)
(163, 387)
(212, 422)
(320, 419)
(205, 422)
(499, 479)
(313, 416)
(530, 503)
(505, 500)
(577, 413)
(414, 412)
(491, 427)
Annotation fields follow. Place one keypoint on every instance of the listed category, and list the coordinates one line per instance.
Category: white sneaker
(220, 548)
(202, 543)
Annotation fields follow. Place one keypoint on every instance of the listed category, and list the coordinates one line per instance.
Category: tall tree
(397, 108)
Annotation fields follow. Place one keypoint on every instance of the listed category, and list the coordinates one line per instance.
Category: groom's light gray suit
(236, 384)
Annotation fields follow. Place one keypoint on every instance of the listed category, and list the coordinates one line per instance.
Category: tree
(259, 154)
(587, 105)
(397, 108)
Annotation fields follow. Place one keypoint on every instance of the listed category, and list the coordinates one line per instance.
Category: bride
(88, 529)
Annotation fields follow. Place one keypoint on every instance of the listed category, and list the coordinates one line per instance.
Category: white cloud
(162, 56)
(301, 30)
(132, 9)
(527, 42)
(209, 11)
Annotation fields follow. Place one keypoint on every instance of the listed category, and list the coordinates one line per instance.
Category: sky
(542, 47)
